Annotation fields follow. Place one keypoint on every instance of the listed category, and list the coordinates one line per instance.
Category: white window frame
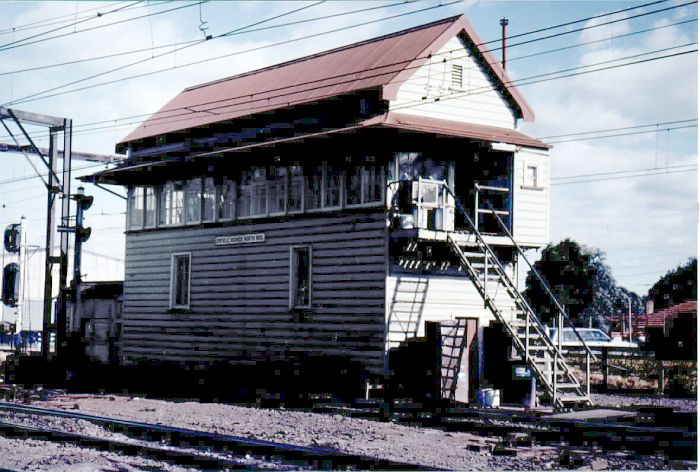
(173, 281)
(536, 185)
(292, 277)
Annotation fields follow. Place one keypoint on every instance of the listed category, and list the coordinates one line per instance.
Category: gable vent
(456, 76)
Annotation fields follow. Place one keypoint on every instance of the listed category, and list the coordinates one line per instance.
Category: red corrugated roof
(381, 62)
(467, 130)
(657, 319)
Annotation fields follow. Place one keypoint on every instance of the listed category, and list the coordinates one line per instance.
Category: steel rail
(165, 454)
(316, 458)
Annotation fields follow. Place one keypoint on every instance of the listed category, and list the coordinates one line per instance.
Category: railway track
(193, 448)
(652, 431)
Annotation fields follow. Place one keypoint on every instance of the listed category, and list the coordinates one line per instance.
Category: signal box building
(332, 205)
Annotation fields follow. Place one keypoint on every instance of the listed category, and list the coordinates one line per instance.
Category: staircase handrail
(460, 207)
(541, 280)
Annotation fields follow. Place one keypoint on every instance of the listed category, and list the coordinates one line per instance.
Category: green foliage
(569, 273)
(677, 286)
(583, 284)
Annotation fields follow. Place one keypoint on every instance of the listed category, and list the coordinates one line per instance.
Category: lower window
(300, 277)
(180, 281)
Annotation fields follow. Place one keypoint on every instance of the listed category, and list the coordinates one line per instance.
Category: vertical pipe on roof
(504, 23)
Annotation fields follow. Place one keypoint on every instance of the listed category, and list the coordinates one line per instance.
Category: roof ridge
(450, 19)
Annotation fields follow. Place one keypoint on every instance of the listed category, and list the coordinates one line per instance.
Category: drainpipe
(504, 23)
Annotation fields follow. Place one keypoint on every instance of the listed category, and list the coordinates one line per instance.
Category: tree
(677, 286)
(582, 283)
(569, 273)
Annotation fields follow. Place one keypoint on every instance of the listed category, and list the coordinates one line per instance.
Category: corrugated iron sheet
(383, 61)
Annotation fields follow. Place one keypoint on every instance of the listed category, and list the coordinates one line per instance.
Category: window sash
(180, 280)
(300, 277)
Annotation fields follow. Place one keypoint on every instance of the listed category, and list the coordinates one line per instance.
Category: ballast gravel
(424, 446)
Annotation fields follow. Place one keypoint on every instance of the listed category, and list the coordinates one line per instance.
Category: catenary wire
(141, 115)
(141, 61)
(55, 20)
(8, 46)
(621, 134)
(26, 99)
(22, 41)
(616, 129)
(662, 172)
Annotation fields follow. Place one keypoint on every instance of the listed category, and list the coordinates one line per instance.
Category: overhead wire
(660, 172)
(22, 41)
(152, 57)
(9, 46)
(250, 50)
(51, 21)
(580, 133)
(43, 94)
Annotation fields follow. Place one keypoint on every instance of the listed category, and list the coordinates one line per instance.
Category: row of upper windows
(258, 192)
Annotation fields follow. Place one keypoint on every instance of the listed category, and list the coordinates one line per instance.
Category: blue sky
(646, 225)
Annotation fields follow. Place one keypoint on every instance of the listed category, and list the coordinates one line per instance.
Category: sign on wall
(240, 239)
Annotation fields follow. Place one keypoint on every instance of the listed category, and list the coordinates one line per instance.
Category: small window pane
(227, 200)
(208, 199)
(164, 199)
(313, 189)
(136, 208)
(193, 201)
(177, 204)
(531, 176)
(296, 189)
(372, 188)
(353, 185)
(245, 195)
(150, 217)
(278, 190)
(332, 186)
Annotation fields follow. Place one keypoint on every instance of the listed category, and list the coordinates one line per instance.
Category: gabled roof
(383, 62)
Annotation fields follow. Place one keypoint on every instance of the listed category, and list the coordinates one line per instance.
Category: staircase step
(567, 385)
(572, 398)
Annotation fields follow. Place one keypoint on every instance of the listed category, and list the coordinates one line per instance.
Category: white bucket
(493, 398)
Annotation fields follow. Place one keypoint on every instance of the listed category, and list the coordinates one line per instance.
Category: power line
(621, 134)
(616, 129)
(626, 177)
(587, 43)
(21, 42)
(9, 46)
(50, 21)
(621, 172)
(141, 61)
(27, 99)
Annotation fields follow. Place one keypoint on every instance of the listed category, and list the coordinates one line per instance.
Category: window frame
(293, 284)
(536, 184)
(173, 280)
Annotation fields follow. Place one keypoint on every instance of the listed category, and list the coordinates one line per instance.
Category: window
(227, 200)
(259, 190)
(245, 196)
(150, 207)
(193, 201)
(296, 189)
(300, 277)
(331, 186)
(208, 199)
(277, 197)
(313, 189)
(531, 176)
(136, 208)
(180, 281)
(457, 76)
(171, 204)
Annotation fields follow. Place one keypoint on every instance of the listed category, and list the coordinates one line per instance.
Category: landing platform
(461, 237)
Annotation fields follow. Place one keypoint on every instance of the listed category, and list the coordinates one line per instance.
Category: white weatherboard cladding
(414, 299)
(531, 204)
(475, 102)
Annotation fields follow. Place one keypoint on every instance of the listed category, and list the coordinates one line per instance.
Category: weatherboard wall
(531, 203)
(430, 92)
(239, 307)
